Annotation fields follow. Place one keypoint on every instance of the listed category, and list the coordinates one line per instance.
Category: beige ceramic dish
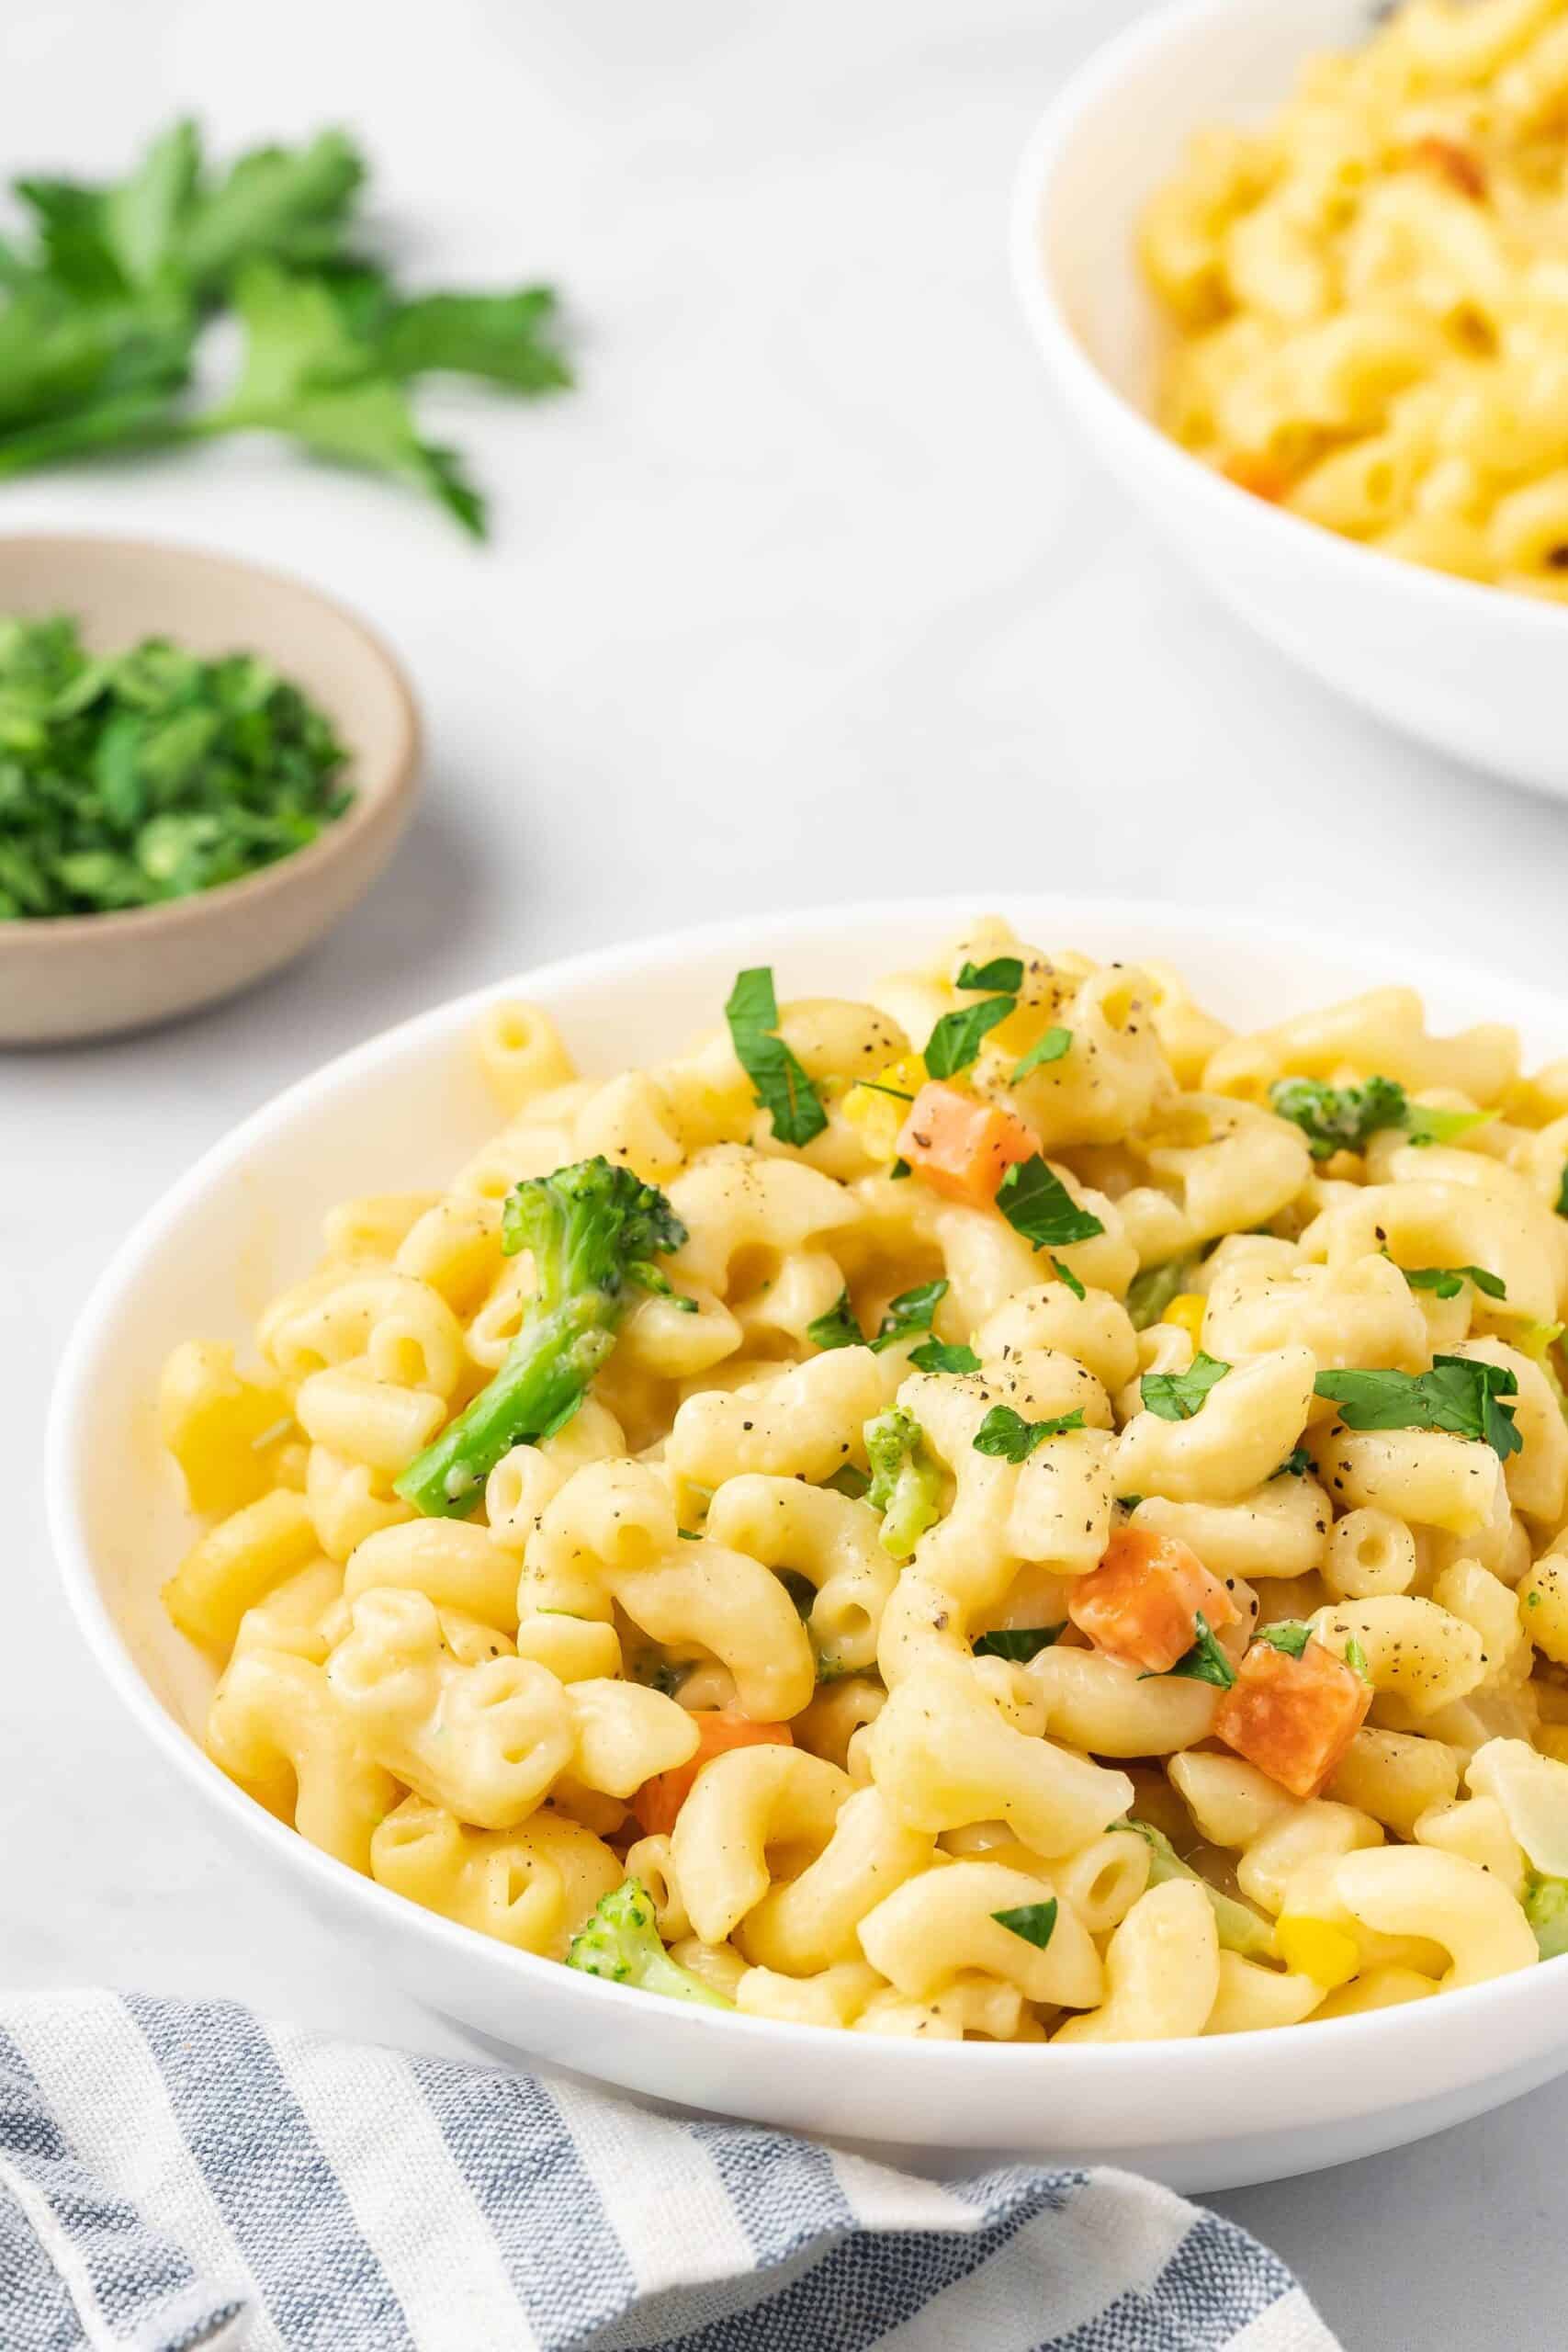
(89, 976)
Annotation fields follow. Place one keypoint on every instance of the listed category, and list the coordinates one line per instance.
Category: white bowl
(1476, 672)
(400, 1114)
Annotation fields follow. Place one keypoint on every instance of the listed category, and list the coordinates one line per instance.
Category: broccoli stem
(542, 1382)
(1240, 1929)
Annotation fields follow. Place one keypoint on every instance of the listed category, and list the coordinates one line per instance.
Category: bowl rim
(1044, 155)
(1198, 2062)
(41, 933)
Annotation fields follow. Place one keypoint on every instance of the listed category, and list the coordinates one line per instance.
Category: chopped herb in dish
(130, 778)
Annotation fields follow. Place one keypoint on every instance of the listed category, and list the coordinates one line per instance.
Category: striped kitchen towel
(177, 2174)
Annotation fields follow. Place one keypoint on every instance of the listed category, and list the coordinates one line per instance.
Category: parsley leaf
(1151, 1292)
(1065, 1273)
(131, 778)
(1289, 1634)
(1560, 1203)
(910, 1312)
(1459, 1394)
(1297, 1464)
(1356, 1659)
(1449, 1281)
(1036, 1922)
(945, 1355)
(1204, 1662)
(1001, 972)
(781, 1087)
(1037, 1204)
(1129, 1503)
(837, 1327)
(958, 1037)
(1009, 1438)
(1047, 1048)
(1176, 1396)
(1019, 1643)
(104, 306)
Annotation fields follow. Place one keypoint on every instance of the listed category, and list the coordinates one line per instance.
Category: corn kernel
(875, 1117)
(1186, 1314)
(1317, 1948)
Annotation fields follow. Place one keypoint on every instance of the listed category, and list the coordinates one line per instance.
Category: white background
(807, 594)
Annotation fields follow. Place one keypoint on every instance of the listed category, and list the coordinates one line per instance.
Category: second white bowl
(1475, 672)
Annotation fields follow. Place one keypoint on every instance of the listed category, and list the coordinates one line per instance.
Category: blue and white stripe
(178, 2176)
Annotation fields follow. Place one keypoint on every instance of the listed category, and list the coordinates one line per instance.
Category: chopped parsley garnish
(1048, 1047)
(1019, 1643)
(1561, 1202)
(1036, 1922)
(1459, 1394)
(1345, 1118)
(900, 1168)
(1289, 1634)
(1356, 1659)
(1204, 1662)
(945, 1355)
(1150, 1293)
(1004, 972)
(1065, 1273)
(782, 1089)
(1009, 1438)
(1176, 1396)
(958, 1037)
(1297, 1464)
(908, 1314)
(129, 779)
(1129, 1503)
(1449, 1281)
(837, 1327)
(1037, 1204)
(874, 1086)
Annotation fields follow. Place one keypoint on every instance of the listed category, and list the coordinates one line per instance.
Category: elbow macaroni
(1366, 296)
(481, 1712)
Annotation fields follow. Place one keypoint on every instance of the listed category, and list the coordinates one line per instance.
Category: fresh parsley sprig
(959, 1035)
(1018, 1644)
(1049, 1046)
(1008, 1437)
(1288, 1633)
(1178, 1396)
(906, 1315)
(1204, 1662)
(1003, 972)
(1448, 1281)
(1461, 1395)
(1037, 1204)
(945, 1355)
(105, 308)
(781, 1086)
(1036, 1922)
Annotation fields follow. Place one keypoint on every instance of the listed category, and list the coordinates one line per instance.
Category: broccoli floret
(906, 1484)
(621, 1942)
(1338, 1118)
(592, 1231)
(1240, 1929)
(1546, 1908)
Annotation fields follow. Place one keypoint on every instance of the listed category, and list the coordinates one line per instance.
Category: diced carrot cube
(1456, 164)
(1293, 1717)
(1264, 476)
(659, 1801)
(1144, 1601)
(961, 1146)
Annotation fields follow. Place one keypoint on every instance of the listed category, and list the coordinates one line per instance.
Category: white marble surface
(807, 594)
